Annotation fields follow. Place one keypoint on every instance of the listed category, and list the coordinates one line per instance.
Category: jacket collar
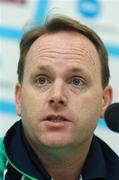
(19, 153)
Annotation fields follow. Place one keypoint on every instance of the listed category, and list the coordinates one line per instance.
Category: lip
(58, 123)
(52, 116)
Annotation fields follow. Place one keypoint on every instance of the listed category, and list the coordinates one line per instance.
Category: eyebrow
(78, 70)
(75, 69)
(45, 68)
(72, 69)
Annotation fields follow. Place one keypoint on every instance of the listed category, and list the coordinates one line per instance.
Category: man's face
(61, 98)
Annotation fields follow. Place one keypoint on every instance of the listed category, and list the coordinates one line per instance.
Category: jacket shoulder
(2, 158)
(111, 160)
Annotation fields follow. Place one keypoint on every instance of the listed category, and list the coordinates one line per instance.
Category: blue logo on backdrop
(89, 8)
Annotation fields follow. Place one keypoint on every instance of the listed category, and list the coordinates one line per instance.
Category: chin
(56, 143)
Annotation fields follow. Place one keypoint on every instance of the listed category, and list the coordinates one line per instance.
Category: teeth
(60, 119)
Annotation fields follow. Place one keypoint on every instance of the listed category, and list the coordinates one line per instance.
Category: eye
(42, 80)
(76, 81)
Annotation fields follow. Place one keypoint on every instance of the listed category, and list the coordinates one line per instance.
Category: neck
(63, 163)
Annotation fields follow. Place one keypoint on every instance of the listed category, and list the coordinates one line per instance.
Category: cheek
(34, 107)
(31, 105)
(88, 108)
(87, 115)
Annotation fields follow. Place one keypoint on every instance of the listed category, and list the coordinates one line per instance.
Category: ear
(18, 98)
(107, 99)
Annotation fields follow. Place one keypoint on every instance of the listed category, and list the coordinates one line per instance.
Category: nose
(58, 97)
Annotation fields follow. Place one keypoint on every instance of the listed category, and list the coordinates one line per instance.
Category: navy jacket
(20, 161)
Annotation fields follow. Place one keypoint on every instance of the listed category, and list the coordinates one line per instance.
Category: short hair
(57, 24)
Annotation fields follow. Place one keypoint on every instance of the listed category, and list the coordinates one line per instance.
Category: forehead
(63, 46)
(63, 39)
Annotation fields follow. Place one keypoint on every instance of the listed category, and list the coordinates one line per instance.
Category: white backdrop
(17, 15)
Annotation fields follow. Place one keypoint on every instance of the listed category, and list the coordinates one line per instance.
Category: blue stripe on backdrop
(7, 108)
(113, 50)
(102, 123)
(9, 33)
(42, 6)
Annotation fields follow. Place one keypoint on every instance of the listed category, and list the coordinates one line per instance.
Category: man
(62, 91)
